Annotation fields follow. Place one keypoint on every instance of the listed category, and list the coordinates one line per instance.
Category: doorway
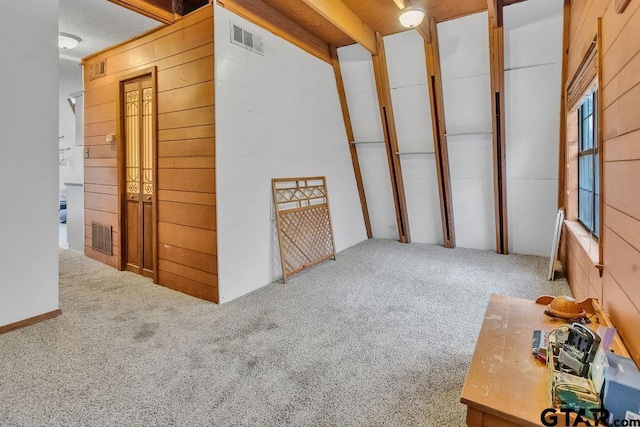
(138, 125)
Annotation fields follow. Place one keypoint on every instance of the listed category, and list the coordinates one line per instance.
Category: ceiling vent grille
(246, 39)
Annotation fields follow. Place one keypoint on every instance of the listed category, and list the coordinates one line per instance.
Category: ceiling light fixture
(68, 41)
(412, 16)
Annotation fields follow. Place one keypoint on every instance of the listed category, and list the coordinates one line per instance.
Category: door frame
(120, 138)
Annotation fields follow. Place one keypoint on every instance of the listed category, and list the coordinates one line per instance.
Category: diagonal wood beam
(434, 78)
(391, 140)
(496, 63)
(335, 62)
(336, 12)
(423, 28)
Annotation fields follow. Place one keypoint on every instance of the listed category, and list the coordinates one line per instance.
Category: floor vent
(101, 238)
(246, 39)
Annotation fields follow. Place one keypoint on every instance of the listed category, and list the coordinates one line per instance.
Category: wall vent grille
(98, 69)
(246, 39)
(101, 238)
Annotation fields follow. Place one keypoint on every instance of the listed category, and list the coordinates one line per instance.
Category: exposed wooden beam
(496, 63)
(350, 138)
(336, 12)
(391, 140)
(260, 13)
(423, 28)
(562, 150)
(160, 11)
(601, 148)
(434, 79)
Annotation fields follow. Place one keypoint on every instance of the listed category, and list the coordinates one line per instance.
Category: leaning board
(303, 220)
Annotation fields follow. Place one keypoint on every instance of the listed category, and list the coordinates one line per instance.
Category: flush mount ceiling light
(412, 16)
(68, 41)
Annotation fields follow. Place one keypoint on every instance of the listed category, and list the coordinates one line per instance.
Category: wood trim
(335, 62)
(434, 79)
(496, 55)
(621, 5)
(147, 9)
(562, 152)
(267, 17)
(601, 146)
(153, 73)
(391, 140)
(30, 321)
(336, 12)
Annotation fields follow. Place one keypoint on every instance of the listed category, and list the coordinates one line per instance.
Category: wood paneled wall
(620, 91)
(183, 56)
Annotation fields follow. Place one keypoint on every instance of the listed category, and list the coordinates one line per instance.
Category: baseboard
(30, 321)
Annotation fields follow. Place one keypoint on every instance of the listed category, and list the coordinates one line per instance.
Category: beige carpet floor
(381, 337)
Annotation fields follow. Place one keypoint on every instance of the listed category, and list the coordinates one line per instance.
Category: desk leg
(477, 418)
(474, 417)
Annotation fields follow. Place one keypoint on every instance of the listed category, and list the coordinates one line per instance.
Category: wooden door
(139, 141)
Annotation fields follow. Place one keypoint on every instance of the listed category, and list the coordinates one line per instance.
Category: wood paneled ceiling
(379, 15)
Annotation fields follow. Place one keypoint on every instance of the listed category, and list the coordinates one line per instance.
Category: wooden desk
(505, 385)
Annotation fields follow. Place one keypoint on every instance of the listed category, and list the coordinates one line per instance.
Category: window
(588, 172)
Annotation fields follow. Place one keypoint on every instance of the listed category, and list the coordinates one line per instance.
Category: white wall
(406, 65)
(277, 115)
(466, 85)
(28, 165)
(70, 81)
(533, 63)
(356, 66)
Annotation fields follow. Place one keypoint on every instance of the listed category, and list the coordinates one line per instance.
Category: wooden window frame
(594, 151)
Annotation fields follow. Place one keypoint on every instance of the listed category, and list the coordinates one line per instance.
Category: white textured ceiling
(100, 24)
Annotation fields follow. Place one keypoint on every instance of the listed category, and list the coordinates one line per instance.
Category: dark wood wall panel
(196, 116)
(185, 98)
(193, 132)
(99, 175)
(623, 225)
(624, 193)
(196, 180)
(101, 202)
(193, 259)
(194, 239)
(187, 197)
(188, 74)
(102, 189)
(182, 54)
(620, 90)
(101, 95)
(622, 115)
(202, 147)
(199, 216)
(188, 286)
(621, 82)
(99, 129)
(187, 162)
(184, 271)
(623, 265)
(624, 313)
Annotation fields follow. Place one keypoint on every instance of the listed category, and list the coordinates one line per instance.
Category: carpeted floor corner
(381, 337)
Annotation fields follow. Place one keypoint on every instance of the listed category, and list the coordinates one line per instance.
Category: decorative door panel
(139, 140)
